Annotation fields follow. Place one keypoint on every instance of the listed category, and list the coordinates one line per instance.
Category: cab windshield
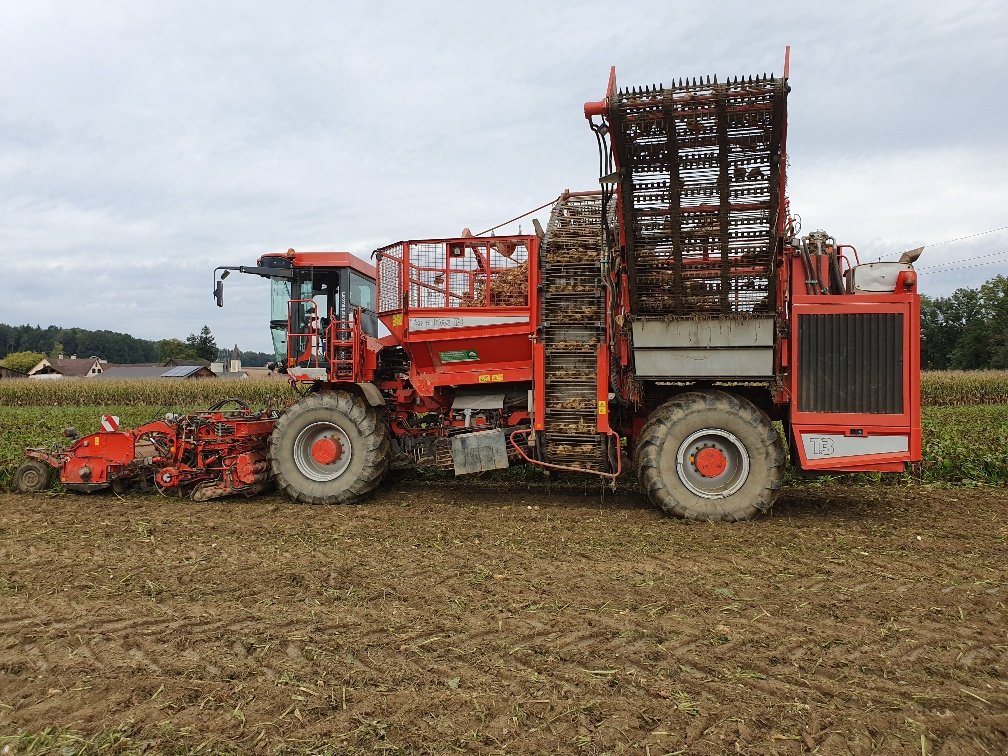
(283, 290)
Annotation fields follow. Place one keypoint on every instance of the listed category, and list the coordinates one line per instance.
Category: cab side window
(362, 292)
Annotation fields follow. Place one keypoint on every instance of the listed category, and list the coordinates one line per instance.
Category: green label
(465, 355)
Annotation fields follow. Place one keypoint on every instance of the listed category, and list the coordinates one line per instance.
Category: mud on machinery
(669, 317)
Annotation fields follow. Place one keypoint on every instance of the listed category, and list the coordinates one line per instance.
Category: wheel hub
(710, 462)
(322, 451)
(327, 450)
(31, 478)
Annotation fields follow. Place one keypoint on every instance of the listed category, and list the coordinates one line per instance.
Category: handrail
(353, 343)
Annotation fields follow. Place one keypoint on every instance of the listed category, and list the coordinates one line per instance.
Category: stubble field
(447, 618)
(865, 615)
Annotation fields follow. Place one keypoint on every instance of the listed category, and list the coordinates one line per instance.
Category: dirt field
(446, 618)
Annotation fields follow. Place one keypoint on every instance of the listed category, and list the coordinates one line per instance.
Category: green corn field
(157, 392)
(965, 415)
(961, 388)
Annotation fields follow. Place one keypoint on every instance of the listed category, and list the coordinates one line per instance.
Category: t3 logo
(822, 446)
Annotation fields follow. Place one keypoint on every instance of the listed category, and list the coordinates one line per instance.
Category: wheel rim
(319, 437)
(712, 463)
(31, 478)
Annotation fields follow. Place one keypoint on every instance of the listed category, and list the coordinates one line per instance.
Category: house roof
(69, 367)
(131, 372)
(118, 365)
(127, 372)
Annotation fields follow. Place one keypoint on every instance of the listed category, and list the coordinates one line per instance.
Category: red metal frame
(344, 346)
(223, 452)
(468, 339)
(907, 423)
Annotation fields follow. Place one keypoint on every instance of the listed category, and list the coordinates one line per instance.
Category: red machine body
(661, 318)
(206, 454)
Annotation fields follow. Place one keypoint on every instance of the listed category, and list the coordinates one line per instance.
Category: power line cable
(968, 236)
(976, 265)
(518, 217)
(964, 259)
(962, 238)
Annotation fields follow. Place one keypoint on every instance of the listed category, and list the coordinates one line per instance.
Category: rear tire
(32, 477)
(330, 448)
(710, 456)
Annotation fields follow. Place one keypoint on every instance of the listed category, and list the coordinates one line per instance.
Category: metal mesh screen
(700, 191)
(468, 273)
(390, 284)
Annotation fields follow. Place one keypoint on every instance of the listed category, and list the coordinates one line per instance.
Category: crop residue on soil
(438, 618)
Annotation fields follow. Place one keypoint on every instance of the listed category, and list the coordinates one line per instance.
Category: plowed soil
(443, 618)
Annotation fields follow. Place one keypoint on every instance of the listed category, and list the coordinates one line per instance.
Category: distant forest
(967, 330)
(112, 346)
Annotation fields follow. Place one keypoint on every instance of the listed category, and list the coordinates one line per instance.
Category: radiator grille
(851, 363)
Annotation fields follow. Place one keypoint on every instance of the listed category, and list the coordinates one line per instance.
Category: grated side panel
(573, 308)
(700, 165)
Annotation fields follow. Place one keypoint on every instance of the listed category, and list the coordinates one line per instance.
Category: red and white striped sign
(110, 423)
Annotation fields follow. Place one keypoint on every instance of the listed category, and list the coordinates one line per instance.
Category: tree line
(967, 330)
(24, 344)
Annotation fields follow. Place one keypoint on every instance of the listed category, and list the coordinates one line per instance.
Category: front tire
(710, 456)
(330, 448)
(32, 477)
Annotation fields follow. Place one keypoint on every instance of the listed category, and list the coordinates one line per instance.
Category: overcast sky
(144, 143)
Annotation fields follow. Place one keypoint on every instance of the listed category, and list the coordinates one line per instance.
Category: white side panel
(476, 401)
(837, 445)
(703, 332)
(314, 374)
(879, 277)
(703, 363)
(463, 321)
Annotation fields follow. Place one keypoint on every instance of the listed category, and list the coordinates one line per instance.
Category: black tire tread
(376, 449)
(32, 464)
(677, 413)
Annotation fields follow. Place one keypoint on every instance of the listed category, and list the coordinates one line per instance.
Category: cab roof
(323, 260)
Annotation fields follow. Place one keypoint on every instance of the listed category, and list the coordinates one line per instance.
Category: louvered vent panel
(851, 363)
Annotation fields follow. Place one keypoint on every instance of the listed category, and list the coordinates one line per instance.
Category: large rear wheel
(710, 456)
(330, 448)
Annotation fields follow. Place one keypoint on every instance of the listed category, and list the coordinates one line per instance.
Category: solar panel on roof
(182, 371)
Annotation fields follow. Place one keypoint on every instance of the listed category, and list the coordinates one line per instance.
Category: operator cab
(314, 297)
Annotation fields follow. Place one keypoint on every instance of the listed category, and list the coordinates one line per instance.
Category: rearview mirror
(218, 292)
